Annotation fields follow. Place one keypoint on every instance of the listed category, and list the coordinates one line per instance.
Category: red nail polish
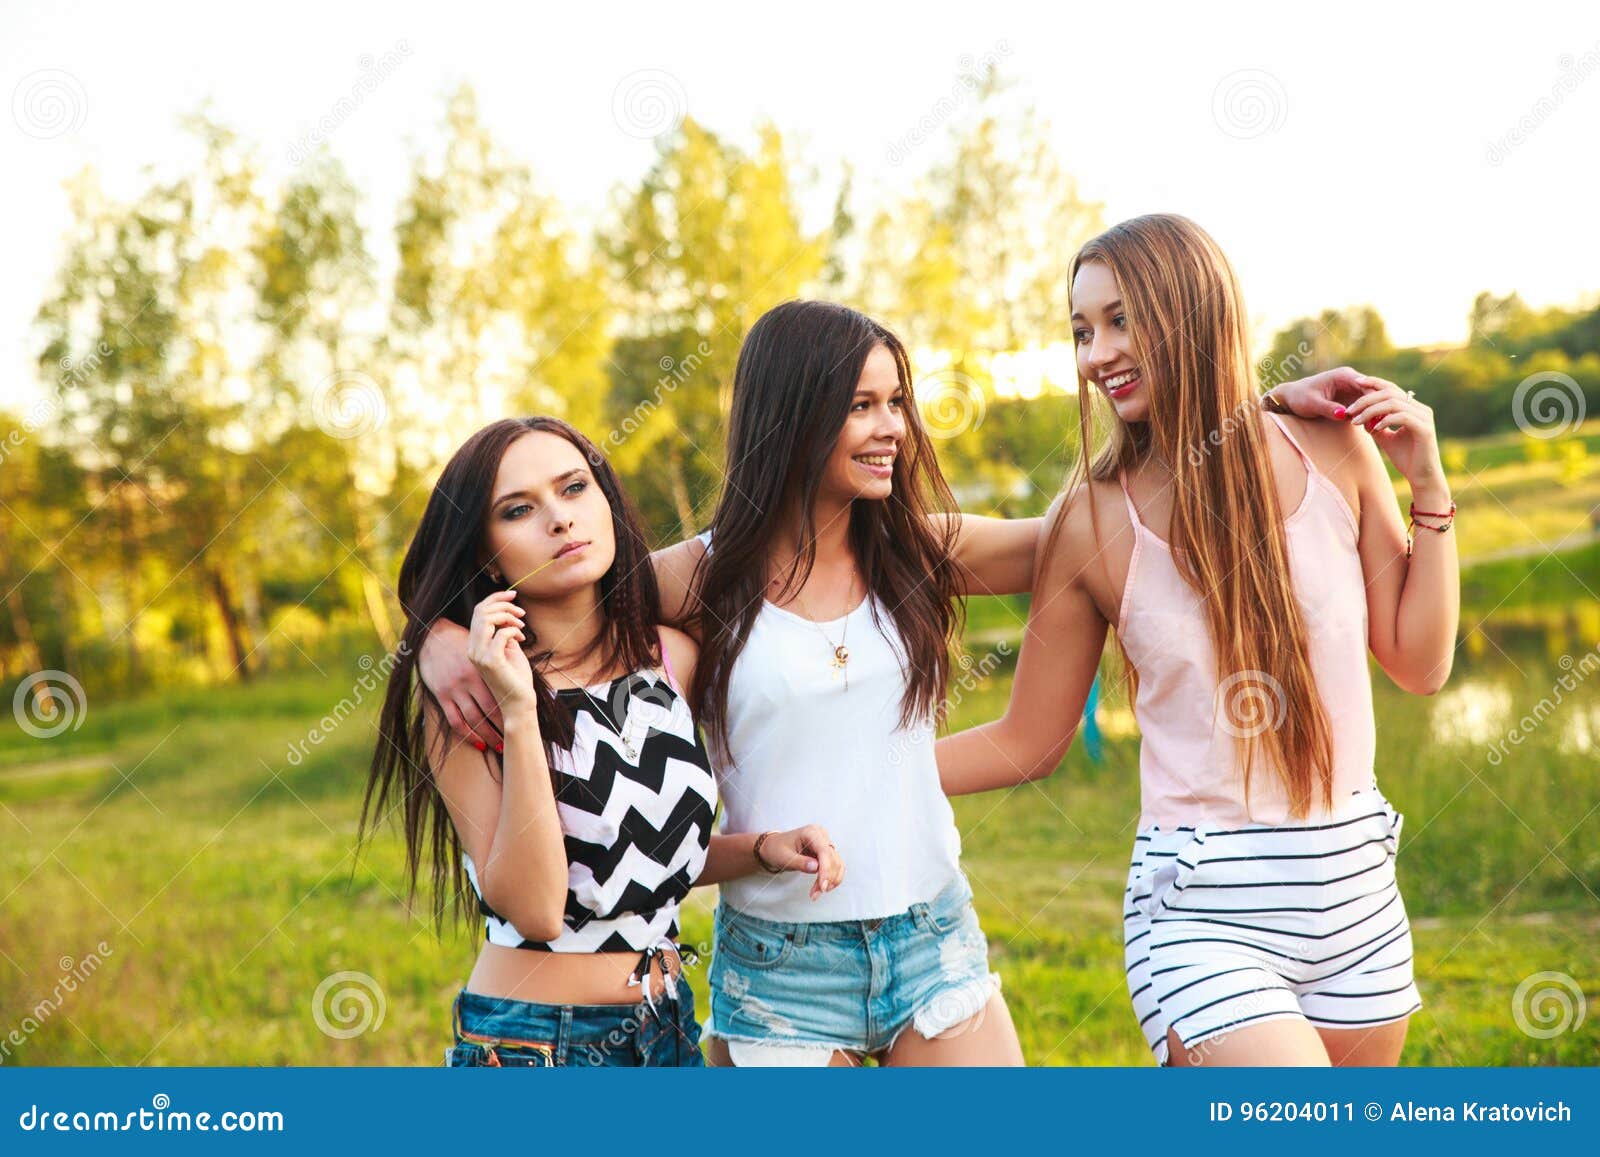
(478, 743)
(500, 747)
(1340, 412)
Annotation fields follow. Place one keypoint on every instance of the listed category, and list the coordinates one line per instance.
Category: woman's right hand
(494, 647)
(469, 706)
(806, 849)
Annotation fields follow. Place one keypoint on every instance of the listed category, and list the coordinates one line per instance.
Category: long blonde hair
(1186, 319)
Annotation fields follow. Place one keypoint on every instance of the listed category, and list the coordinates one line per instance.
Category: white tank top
(805, 750)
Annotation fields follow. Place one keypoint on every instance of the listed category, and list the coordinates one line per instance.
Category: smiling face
(867, 448)
(1105, 347)
(549, 528)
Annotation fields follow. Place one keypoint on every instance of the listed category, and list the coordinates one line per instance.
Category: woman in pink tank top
(1248, 565)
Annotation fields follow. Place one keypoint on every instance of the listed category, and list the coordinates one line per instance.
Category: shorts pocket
(948, 912)
(753, 943)
(1184, 866)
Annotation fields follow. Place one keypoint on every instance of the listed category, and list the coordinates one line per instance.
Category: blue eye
(1121, 321)
(511, 511)
(1080, 336)
(580, 486)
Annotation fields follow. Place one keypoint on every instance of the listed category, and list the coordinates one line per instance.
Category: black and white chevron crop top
(636, 796)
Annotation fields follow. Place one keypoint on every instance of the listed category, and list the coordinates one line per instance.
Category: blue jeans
(493, 1032)
(791, 993)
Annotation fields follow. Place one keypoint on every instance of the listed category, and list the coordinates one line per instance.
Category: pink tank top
(1189, 768)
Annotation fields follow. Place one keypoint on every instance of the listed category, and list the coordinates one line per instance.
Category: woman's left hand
(1403, 429)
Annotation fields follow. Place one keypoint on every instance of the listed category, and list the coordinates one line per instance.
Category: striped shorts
(1224, 927)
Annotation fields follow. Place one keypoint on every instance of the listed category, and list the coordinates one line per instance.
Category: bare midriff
(566, 977)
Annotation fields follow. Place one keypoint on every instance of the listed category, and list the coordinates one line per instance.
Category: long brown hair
(1189, 330)
(796, 376)
(444, 576)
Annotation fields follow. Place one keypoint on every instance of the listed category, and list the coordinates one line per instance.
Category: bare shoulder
(1072, 519)
(1340, 450)
(1337, 448)
(1346, 454)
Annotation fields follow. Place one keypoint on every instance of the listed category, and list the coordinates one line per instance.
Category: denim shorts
(493, 1032)
(792, 993)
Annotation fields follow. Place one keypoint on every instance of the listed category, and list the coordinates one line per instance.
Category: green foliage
(243, 418)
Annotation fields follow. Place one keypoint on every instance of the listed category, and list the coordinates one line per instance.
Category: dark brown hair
(444, 577)
(792, 389)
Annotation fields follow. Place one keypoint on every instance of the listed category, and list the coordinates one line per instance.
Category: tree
(709, 241)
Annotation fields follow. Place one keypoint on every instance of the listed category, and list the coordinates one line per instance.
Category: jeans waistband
(956, 892)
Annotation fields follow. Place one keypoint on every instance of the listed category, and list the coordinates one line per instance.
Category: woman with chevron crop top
(584, 828)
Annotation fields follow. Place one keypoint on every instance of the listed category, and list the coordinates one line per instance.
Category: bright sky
(1349, 153)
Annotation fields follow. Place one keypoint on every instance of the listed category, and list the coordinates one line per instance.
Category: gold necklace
(841, 653)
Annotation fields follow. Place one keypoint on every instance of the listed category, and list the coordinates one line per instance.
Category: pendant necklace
(627, 743)
(841, 653)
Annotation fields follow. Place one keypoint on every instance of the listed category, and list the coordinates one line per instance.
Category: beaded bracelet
(1449, 517)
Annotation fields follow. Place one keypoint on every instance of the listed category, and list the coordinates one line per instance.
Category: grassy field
(214, 886)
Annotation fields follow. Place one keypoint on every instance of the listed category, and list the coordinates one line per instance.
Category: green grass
(221, 879)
